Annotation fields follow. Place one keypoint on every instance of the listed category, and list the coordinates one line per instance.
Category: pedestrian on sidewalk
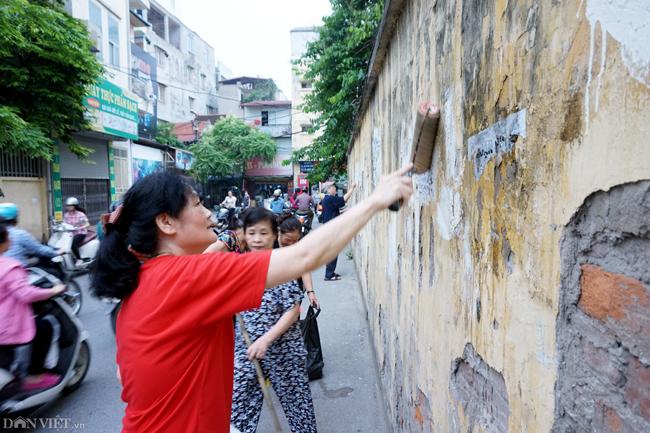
(175, 340)
(331, 205)
(277, 343)
(245, 201)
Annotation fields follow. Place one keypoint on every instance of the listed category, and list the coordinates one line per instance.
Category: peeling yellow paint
(422, 293)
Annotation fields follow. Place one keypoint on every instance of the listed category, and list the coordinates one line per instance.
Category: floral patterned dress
(230, 239)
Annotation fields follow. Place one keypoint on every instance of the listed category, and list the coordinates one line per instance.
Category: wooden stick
(260, 376)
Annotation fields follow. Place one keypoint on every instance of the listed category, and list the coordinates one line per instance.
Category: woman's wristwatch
(310, 291)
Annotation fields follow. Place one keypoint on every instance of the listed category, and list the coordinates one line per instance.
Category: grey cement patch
(482, 393)
(603, 375)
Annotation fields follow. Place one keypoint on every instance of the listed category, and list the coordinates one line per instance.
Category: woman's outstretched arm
(325, 243)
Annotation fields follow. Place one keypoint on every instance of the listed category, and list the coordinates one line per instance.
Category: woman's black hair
(4, 233)
(287, 223)
(255, 215)
(116, 268)
(235, 223)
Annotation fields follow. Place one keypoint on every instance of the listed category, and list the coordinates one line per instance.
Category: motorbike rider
(17, 323)
(76, 216)
(21, 242)
(292, 200)
(277, 204)
(305, 202)
(229, 203)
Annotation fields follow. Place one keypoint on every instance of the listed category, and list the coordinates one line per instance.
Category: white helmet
(277, 192)
(72, 201)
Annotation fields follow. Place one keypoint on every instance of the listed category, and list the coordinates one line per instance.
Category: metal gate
(94, 195)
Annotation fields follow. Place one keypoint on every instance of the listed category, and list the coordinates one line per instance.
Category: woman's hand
(313, 300)
(393, 187)
(258, 349)
(58, 288)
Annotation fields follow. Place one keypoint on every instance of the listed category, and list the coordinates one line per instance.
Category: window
(160, 56)
(207, 56)
(190, 74)
(305, 85)
(191, 103)
(122, 172)
(113, 42)
(204, 82)
(190, 44)
(162, 92)
(265, 118)
(95, 15)
(210, 110)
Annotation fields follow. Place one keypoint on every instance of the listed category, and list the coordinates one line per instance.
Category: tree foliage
(45, 66)
(164, 135)
(262, 92)
(336, 65)
(224, 149)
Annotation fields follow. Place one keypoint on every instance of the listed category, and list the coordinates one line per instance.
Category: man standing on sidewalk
(331, 205)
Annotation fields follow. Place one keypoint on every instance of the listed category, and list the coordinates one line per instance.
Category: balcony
(139, 4)
(275, 130)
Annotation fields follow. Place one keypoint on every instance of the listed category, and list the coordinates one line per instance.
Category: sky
(251, 37)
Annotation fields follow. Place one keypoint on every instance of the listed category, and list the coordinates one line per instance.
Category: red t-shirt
(175, 339)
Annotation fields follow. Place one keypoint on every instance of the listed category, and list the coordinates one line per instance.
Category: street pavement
(346, 399)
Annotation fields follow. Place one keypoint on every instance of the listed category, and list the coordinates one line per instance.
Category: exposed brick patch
(603, 322)
(637, 391)
(607, 294)
(481, 391)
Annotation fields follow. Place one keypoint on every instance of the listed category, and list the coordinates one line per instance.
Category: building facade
(511, 294)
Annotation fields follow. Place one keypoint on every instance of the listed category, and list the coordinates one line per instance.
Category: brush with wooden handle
(424, 140)
(260, 376)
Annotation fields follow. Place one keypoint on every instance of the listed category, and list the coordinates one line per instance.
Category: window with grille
(190, 44)
(122, 172)
(20, 165)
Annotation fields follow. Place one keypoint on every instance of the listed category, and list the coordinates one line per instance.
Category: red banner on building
(256, 167)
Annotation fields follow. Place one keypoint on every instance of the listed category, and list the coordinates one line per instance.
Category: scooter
(305, 222)
(319, 213)
(62, 239)
(222, 216)
(73, 355)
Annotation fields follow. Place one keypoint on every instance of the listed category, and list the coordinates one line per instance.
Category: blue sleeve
(30, 244)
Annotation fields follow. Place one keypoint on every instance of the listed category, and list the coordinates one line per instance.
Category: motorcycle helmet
(113, 206)
(296, 190)
(71, 201)
(277, 192)
(305, 189)
(9, 211)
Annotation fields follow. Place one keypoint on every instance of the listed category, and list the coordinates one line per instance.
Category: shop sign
(183, 160)
(302, 181)
(56, 182)
(257, 167)
(144, 84)
(111, 168)
(112, 110)
(306, 166)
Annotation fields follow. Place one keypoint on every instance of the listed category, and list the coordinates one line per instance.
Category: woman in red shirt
(175, 340)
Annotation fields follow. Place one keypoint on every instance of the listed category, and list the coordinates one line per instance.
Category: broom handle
(260, 375)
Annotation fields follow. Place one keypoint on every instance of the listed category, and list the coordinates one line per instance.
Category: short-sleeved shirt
(230, 239)
(74, 218)
(231, 201)
(304, 201)
(331, 205)
(275, 302)
(175, 340)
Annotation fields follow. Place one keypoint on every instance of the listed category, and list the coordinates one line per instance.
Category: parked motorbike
(62, 239)
(222, 217)
(73, 354)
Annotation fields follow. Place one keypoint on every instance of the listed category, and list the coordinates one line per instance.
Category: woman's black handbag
(314, 361)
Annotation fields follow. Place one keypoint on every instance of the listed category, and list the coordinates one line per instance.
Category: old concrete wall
(544, 105)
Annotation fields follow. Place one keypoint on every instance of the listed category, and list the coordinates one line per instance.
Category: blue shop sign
(306, 166)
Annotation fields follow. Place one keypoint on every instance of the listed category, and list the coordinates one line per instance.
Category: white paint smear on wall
(376, 155)
(497, 139)
(627, 21)
(448, 212)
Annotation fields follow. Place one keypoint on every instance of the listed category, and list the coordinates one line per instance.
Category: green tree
(45, 66)
(224, 149)
(336, 65)
(262, 92)
(164, 135)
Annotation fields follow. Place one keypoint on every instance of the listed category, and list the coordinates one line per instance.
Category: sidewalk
(347, 398)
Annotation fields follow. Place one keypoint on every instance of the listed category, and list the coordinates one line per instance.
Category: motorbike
(222, 217)
(319, 213)
(62, 239)
(73, 354)
(56, 268)
(305, 222)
